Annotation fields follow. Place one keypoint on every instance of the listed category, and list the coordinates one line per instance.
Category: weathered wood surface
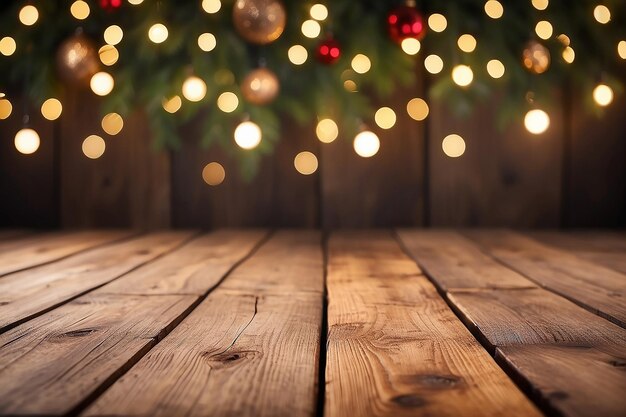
(57, 362)
(597, 288)
(528, 328)
(30, 292)
(250, 349)
(41, 249)
(394, 346)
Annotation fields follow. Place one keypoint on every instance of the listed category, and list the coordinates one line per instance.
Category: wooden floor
(293, 323)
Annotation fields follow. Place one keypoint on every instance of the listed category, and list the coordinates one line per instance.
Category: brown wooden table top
(295, 323)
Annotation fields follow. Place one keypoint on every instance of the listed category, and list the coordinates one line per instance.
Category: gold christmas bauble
(77, 60)
(536, 57)
(259, 21)
(260, 87)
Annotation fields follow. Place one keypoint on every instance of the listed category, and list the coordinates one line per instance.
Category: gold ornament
(260, 87)
(77, 59)
(259, 21)
(536, 57)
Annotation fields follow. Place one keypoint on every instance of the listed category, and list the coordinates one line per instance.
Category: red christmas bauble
(328, 51)
(405, 22)
(110, 5)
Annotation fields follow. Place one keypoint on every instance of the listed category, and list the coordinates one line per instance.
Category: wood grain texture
(250, 349)
(598, 289)
(394, 346)
(41, 249)
(576, 381)
(454, 262)
(27, 293)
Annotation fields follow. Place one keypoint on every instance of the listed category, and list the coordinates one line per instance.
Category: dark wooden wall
(572, 176)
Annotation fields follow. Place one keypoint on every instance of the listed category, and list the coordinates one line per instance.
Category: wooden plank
(604, 248)
(394, 346)
(594, 377)
(260, 338)
(59, 361)
(596, 288)
(454, 262)
(41, 249)
(28, 293)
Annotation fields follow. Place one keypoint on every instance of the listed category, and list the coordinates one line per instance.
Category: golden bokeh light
(564, 39)
(385, 118)
(494, 9)
(297, 54)
(568, 54)
(602, 14)
(29, 15)
(467, 43)
(112, 124)
(7, 46)
(172, 105)
(102, 83)
(108, 55)
(453, 145)
(603, 95)
(311, 28)
(27, 141)
(411, 46)
(113, 35)
(437, 22)
(80, 10)
(248, 135)
(544, 29)
(350, 86)
(6, 108)
(194, 89)
(433, 64)
(319, 12)
(227, 102)
(213, 173)
(327, 130)
(305, 163)
(51, 109)
(621, 49)
(417, 109)
(366, 144)
(158, 33)
(540, 4)
(495, 68)
(211, 6)
(93, 147)
(361, 64)
(207, 42)
(135, 2)
(537, 121)
(462, 75)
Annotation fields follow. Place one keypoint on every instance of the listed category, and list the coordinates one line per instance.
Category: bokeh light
(327, 130)
(213, 173)
(305, 163)
(248, 135)
(453, 145)
(366, 144)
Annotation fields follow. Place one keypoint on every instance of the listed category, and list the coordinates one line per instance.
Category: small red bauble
(405, 22)
(328, 51)
(110, 5)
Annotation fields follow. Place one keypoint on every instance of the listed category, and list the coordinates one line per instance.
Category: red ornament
(110, 5)
(405, 22)
(328, 51)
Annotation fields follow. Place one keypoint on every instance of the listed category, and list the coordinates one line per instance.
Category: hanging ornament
(77, 59)
(259, 21)
(260, 87)
(110, 5)
(405, 22)
(328, 51)
(536, 57)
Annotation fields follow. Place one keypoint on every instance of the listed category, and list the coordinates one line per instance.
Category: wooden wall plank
(395, 348)
(28, 293)
(59, 361)
(41, 249)
(599, 289)
(253, 335)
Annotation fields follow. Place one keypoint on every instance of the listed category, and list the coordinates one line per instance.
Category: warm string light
(227, 102)
(80, 10)
(568, 54)
(194, 89)
(27, 141)
(602, 14)
(248, 135)
(319, 12)
(410, 46)
(327, 130)
(385, 118)
(433, 64)
(28, 15)
(158, 33)
(603, 95)
(113, 35)
(537, 121)
(366, 144)
(540, 4)
(453, 145)
(207, 42)
(93, 147)
(621, 49)
(211, 6)
(213, 173)
(494, 9)
(311, 28)
(7, 46)
(51, 109)
(361, 64)
(172, 105)
(437, 22)
(417, 109)
(495, 68)
(102, 83)
(305, 163)
(544, 29)
(6, 108)
(466, 43)
(297, 54)
(462, 75)
(112, 124)
(108, 55)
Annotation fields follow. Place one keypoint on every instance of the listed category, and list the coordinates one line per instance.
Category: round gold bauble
(259, 21)
(77, 60)
(536, 57)
(260, 87)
